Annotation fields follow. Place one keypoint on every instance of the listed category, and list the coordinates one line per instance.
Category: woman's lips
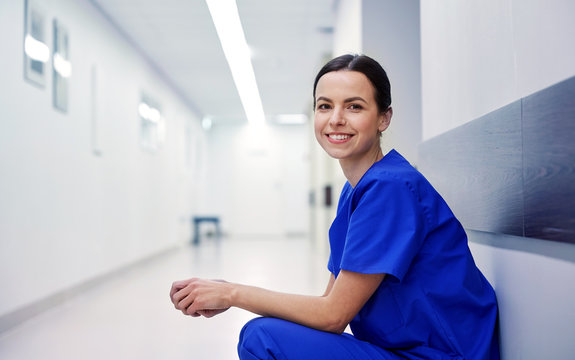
(338, 137)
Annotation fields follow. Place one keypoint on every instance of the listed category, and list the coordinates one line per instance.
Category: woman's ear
(385, 119)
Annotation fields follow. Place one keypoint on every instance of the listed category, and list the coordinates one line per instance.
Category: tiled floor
(131, 316)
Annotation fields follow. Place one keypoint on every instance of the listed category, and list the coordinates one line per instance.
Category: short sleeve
(386, 228)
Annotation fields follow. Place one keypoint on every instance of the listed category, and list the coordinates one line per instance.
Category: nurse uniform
(434, 303)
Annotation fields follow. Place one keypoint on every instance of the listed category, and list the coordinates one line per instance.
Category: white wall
(478, 56)
(259, 179)
(68, 215)
(535, 294)
(347, 36)
(391, 35)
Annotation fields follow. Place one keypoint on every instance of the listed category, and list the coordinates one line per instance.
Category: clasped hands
(200, 297)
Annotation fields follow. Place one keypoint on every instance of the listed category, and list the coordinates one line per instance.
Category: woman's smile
(338, 138)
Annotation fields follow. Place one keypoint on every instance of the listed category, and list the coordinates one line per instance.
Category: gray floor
(130, 316)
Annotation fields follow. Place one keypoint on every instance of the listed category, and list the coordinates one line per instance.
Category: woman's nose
(336, 117)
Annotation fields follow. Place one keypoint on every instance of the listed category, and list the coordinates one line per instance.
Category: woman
(402, 275)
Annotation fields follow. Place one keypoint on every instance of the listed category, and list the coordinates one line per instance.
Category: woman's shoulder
(393, 169)
(394, 177)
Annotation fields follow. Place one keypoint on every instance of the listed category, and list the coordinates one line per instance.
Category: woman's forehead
(344, 81)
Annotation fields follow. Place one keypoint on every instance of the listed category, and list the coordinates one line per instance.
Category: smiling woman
(401, 273)
(348, 121)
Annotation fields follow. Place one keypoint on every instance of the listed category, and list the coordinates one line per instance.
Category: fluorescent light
(229, 27)
(36, 49)
(291, 119)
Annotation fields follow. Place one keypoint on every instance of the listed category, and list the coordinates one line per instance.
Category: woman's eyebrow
(356, 98)
(323, 98)
(348, 100)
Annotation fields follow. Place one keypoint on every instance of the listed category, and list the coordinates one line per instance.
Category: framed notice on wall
(36, 51)
(152, 124)
(61, 66)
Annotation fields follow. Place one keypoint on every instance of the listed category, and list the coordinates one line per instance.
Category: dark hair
(368, 67)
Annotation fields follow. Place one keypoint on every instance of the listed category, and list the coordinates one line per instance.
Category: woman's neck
(354, 169)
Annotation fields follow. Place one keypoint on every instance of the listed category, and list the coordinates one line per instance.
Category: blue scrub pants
(269, 338)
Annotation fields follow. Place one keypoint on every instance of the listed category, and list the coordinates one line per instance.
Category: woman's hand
(199, 297)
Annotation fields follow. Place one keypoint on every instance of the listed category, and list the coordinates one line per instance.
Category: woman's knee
(257, 339)
(269, 338)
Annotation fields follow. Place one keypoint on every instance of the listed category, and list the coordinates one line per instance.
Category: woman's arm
(344, 297)
(329, 284)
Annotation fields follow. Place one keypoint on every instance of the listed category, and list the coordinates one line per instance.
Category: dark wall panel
(477, 169)
(549, 160)
(511, 171)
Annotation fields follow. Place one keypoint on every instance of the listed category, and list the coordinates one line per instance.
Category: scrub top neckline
(391, 154)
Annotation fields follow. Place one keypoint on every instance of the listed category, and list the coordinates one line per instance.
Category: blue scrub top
(434, 303)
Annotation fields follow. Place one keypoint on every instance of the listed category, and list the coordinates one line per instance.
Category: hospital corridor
(144, 142)
(130, 316)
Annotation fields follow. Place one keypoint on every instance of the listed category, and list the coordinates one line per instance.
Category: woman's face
(347, 120)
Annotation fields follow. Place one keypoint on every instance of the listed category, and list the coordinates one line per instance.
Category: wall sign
(61, 66)
(36, 51)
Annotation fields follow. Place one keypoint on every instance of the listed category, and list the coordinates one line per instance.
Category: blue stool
(197, 220)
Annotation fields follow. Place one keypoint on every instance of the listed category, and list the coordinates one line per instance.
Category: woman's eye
(355, 107)
(323, 106)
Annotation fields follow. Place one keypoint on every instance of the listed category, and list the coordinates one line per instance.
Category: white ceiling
(290, 40)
